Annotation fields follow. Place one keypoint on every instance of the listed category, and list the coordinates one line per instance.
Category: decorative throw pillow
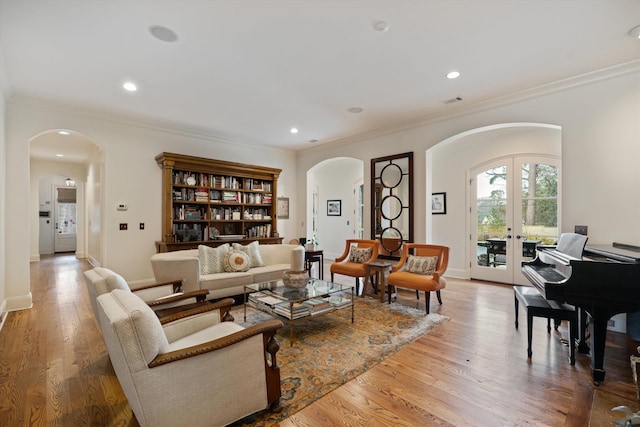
(360, 255)
(235, 262)
(253, 251)
(212, 259)
(420, 264)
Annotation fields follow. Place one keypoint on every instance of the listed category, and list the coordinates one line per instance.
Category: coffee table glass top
(315, 288)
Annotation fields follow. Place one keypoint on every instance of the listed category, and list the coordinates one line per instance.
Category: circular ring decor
(391, 239)
(391, 207)
(391, 175)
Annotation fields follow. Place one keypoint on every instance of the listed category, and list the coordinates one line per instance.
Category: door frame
(511, 274)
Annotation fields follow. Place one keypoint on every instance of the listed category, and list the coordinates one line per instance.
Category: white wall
(600, 122)
(3, 175)
(131, 175)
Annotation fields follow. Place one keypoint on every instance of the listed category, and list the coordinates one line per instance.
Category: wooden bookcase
(211, 202)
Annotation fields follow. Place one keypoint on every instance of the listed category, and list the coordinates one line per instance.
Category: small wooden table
(378, 286)
(311, 256)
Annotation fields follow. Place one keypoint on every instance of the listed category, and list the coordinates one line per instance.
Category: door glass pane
(66, 210)
(539, 206)
(491, 209)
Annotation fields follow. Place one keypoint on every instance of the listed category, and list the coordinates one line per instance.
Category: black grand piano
(601, 280)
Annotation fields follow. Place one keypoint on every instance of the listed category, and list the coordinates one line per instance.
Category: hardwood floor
(471, 371)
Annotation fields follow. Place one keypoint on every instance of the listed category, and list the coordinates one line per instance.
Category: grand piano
(600, 280)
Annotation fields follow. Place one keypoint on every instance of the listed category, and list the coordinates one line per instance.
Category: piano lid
(615, 252)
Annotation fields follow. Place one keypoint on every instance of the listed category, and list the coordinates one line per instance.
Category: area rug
(328, 350)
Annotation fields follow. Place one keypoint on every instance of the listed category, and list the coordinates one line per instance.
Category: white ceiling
(248, 71)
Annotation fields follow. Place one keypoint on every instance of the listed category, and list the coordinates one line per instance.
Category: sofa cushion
(269, 272)
(212, 259)
(236, 261)
(360, 255)
(253, 251)
(420, 264)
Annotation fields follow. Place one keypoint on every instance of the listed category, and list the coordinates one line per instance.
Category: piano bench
(538, 306)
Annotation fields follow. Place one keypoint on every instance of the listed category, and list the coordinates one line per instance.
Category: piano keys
(603, 280)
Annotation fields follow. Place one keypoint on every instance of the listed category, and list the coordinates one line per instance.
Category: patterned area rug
(328, 350)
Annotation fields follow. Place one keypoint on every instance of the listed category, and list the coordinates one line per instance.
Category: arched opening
(62, 164)
(455, 158)
(335, 206)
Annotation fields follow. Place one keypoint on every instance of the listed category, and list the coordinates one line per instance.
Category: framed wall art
(439, 203)
(283, 208)
(334, 207)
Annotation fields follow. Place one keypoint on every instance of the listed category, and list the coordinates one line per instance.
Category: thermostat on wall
(122, 206)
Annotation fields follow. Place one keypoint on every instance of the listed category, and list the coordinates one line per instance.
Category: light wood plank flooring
(471, 371)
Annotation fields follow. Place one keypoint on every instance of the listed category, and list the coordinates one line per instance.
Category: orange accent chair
(345, 266)
(419, 281)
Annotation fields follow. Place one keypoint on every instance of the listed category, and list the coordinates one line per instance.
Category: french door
(513, 208)
(65, 220)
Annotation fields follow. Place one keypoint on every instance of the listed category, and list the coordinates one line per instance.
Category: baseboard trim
(19, 303)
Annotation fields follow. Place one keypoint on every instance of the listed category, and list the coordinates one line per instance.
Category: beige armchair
(189, 370)
(419, 273)
(161, 297)
(351, 262)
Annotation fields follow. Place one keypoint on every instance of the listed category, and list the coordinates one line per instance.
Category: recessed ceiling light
(59, 155)
(355, 110)
(380, 27)
(294, 130)
(635, 32)
(163, 33)
(453, 75)
(64, 132)
(129, 86)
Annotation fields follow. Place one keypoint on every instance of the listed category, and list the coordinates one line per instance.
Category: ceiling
(249, 71)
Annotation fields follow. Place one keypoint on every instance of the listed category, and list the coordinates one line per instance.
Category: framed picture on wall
(334, 207)
(283, 208)
(438, 203)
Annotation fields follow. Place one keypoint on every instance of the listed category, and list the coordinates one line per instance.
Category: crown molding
(591, 77)
(138, 122)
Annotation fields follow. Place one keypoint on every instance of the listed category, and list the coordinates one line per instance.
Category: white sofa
(186, 264)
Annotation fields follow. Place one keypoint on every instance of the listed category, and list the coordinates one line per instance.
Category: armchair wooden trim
(200, 296)
(177, 285)
(268, 327)
(223, 305)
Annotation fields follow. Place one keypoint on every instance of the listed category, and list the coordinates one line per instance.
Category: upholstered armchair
(159, 296)
(351, 262)
(421, 267)
(186, 370)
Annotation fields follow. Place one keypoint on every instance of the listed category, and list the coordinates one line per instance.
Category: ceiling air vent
(452, 100)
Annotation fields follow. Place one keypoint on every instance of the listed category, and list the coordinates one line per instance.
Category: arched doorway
(60, 162)
(449, 170)
(331, 183)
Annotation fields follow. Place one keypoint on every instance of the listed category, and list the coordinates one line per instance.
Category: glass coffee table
(290, 305)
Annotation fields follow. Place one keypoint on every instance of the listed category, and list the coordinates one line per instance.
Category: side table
(381, 271)
(311, 256)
